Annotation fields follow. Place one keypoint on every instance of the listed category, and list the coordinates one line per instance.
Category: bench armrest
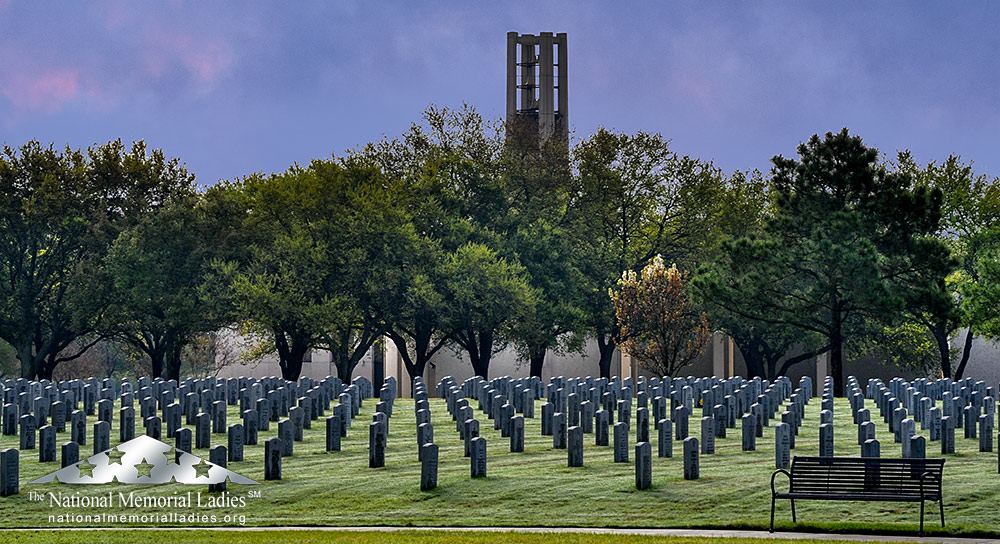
(785, 472)
(923, 477)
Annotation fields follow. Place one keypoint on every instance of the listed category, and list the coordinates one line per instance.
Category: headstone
(333, 433)
(782, 445)
(575, 446)
(643, 465)
(10, 474)
(126, 424)
(870, 448)
(203, 431)
(947, 435)
(102, 436)
(376, 446)
(665, 442)
(517, 434)
(471, 431)
(826, 440)
(250, 423)
(749, 432)
(235, 435)
(153, 428)
(918, 447)
(601, 429)
(182, 443)
(27, 432)
(478, 457)
(272, 459)
(46, 444)
(985, 433)
(297, 418)
(70, 453)
(559, 430)
(708, 435)
(217, 455)
(286, 432)
(621, 442)
(691, 469)
(428, 466)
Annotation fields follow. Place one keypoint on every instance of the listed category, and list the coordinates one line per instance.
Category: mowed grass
(365, 537)
(534, 488)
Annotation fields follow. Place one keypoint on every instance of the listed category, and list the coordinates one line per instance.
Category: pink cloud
(206, 60)
(46, 92)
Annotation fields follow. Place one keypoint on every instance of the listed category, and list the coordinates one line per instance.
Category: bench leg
(941, 506)
(921, 518)
(793, 510)
(771, 530)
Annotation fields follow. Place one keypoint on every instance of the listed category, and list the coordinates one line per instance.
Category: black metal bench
(862, 479)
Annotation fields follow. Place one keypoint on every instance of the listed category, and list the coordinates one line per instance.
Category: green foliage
(59, 214)
(634, 199)
(849, 242)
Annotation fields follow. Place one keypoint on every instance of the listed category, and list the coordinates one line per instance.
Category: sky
(234, 88)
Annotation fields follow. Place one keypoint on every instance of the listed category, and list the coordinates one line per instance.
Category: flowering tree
(659, 325)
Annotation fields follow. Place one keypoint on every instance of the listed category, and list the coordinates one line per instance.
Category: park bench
(862, 479)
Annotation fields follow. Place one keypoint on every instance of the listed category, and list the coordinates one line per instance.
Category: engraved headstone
(477, 448)
(749, 426)
(428, 466)
(575, 446)
(782, 445)
(826, 440)
(10, 474)
(46, 444)
(665, 442)
(621, 442)
(235, 436)
(217, 455)
(333, 433)
(272, 458)
(517, 434)
(643, 465)
(70, 453)
(691, 469)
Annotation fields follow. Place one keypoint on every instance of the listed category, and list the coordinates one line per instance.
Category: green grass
(534, 488)
(366, 537)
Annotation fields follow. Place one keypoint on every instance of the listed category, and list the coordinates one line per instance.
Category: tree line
(468, 235)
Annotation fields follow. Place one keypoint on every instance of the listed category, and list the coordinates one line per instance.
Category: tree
(59, 214)
(745, 206)
(659, 325)
(970, 221)
(849, 242)
(158, 268)
(635, 199)
(486, 298)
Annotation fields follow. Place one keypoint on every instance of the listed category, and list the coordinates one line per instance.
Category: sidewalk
(700, 533)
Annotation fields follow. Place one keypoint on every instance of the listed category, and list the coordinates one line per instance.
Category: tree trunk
(173, 363)
(941, 338)
(837, 356)
(29, 362)
(966, 351)
(480, 352)
(606, 346)
(536, 356)
(291, 349)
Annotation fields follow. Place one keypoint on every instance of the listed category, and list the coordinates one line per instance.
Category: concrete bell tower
(537, 96)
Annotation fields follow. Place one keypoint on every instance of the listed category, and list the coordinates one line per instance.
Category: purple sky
(239, 87)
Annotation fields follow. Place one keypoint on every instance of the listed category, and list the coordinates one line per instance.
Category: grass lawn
(534, 488)
(366, 537)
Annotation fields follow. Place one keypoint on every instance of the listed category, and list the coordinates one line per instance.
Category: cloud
(44, 92)
(205, 60)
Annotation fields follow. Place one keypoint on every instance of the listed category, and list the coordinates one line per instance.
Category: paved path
(702, 533)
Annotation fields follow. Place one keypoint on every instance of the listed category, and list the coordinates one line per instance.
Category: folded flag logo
(143, 460)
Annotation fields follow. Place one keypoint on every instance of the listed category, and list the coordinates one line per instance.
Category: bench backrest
(865, 475)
